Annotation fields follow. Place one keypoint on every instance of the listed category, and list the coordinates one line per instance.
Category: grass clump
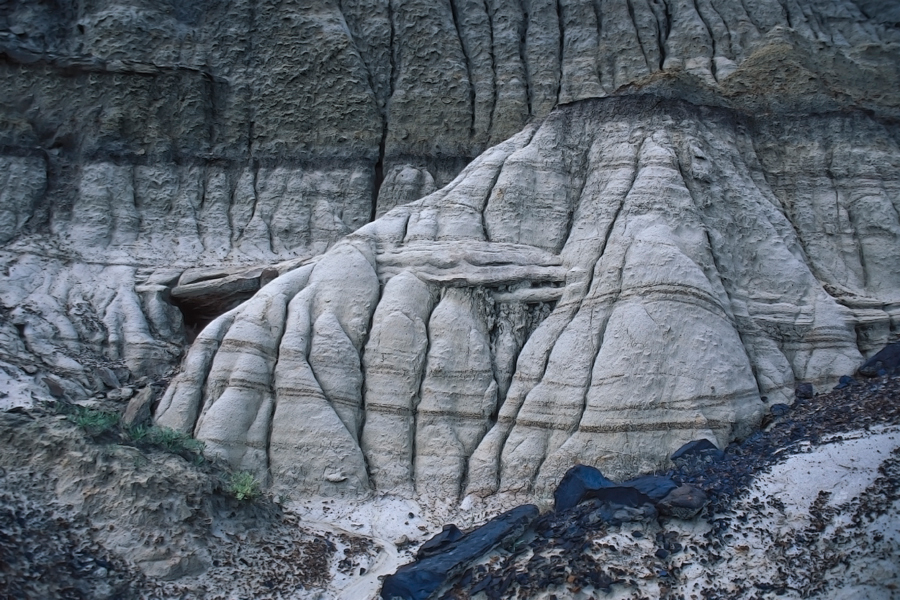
(175, 441)
(244, 486)
(138, 434)
(168, 440)
(94, 422)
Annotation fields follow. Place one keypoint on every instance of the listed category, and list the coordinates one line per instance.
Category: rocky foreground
(100, 513)
(807, 507)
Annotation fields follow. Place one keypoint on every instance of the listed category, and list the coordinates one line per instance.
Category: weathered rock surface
(604, 229)
(624, 277)
(85, 517)
(885, 361)
(138, 141)
(603, 283)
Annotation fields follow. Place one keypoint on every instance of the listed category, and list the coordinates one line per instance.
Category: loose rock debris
(749, 541)
(87, 517)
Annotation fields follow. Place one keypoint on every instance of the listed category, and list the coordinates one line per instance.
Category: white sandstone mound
(606, 285)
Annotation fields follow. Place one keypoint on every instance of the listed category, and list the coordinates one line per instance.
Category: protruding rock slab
(138, 410)
(417, 581)
(440, 542)
(885, 362)
(576, 484)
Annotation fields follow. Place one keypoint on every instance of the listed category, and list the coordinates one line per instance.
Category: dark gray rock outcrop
(577, 484)
(419, 580)
(885, 362)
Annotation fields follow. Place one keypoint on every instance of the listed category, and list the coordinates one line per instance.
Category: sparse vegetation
(98, 423)
(92, 421)
(138, 433)
(243, 486)
(175, 441)
(168, 440)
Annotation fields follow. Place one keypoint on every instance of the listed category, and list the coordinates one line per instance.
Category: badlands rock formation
(623, 277)
(604, 227)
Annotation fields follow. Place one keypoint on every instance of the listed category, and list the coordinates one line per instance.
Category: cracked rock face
(585, 231)
(605, 286)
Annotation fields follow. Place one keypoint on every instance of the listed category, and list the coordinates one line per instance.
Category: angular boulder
(886, 361)
(138, 410)
(804, 391)
(684, 502)
(695, 452)
(576, 484)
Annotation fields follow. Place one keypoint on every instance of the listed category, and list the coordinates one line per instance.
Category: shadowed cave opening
(198, 312)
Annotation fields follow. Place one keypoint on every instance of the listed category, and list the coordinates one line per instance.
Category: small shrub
(94, 422)
(168, 440)
(175, 441)
(243, 486)
(138, 433)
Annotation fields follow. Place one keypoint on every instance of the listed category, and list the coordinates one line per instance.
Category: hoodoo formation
(603, 287)
(444, 250)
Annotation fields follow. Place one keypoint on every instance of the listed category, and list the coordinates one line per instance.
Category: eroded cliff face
(624, 277)
(709, 215)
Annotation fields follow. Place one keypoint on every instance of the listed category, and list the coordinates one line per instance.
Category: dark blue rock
(419, 580)
(697, 451)
(654, 486)
(438, 543)
(845, 381)
(577, 482)
(887, 359)
(804, 391)
(694, 447)
(617, 507)
(618, 495)
(779, 410)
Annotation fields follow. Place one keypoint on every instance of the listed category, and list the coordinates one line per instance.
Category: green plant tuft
(244, 486)
(175, 441)
(168, 440)
(138, 433)
(92, 421)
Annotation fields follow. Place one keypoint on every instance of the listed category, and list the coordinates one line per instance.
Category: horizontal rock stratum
(612, 282)
(604, 227)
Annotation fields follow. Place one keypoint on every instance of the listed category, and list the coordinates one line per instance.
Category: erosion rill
(444, 250)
